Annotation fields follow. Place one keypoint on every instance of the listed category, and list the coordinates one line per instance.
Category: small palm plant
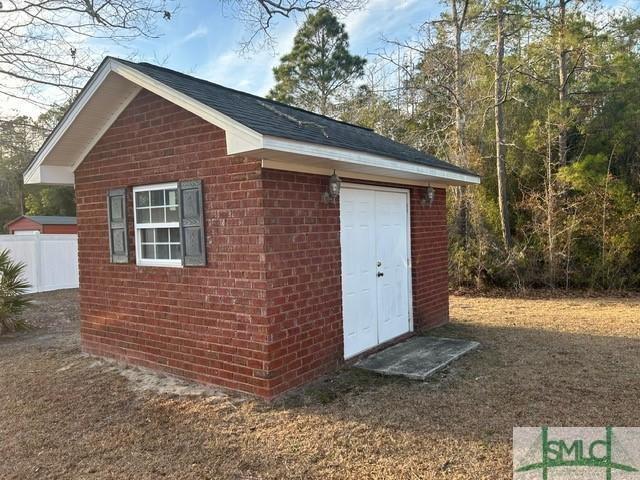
(13, 288)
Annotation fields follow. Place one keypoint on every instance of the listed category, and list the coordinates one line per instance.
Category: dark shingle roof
(279, 120)
(52, 219)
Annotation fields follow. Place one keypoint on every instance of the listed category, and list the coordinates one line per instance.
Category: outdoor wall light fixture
(428, 197)
(334, 188)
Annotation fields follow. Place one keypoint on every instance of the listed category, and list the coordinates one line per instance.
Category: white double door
(375, 270)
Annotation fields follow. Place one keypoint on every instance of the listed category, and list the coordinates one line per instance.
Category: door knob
(379, 263)
(380, 274)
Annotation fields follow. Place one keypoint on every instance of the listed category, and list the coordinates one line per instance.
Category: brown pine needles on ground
(567, 361)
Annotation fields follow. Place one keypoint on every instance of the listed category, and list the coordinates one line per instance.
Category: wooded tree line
(542, 99)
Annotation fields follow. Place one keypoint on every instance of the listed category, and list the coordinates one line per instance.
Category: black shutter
(192, 233)
(117, 220)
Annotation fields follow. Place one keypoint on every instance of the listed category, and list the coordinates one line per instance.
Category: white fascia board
(32, 175)
(240, 138)
(351, 172)
(369, 160)
(52, 175)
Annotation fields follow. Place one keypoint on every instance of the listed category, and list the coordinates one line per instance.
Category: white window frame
(174, 263)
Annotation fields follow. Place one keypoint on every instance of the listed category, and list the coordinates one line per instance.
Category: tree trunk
(605, 201)
(563, 85)
(501, 171)
(550, 209)
(458, 18)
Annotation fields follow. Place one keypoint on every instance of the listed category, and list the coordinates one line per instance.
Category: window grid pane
(172, 214)
(157, 215)
(160, 243)
(171, 197)
(157, 198)
(143, 215)
(142, 199)
(148, 251)
(162, 251)
(158, 206)
(175, 251)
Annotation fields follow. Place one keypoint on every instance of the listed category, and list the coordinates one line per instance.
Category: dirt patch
(145, 380)
(569, 361)
(57, 309)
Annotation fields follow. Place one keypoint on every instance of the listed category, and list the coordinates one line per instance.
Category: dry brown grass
(569, 361)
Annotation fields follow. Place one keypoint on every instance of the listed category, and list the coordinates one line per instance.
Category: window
(157, 225)
(168, 223)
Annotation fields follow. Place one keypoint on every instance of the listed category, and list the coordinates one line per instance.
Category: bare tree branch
(260, 16)
(43, 42)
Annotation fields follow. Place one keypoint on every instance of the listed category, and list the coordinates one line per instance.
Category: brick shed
(42, 224)
(240, 242)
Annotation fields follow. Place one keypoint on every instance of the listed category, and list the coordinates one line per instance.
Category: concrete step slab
(418, 357)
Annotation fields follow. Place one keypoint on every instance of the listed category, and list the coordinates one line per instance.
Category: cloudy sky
(203, 39)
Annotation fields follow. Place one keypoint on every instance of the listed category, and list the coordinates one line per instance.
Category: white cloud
(381, 16)
(200, 32)
(251, 73)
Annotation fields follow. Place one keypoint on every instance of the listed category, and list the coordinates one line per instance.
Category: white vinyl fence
(51, 260)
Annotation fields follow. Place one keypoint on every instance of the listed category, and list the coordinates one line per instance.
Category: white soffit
(95, 109)
(115, 85)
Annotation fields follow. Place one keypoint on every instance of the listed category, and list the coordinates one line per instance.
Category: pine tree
(318, 66)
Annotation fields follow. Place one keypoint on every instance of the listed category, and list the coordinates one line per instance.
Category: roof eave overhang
(284, 154)
(67, 146)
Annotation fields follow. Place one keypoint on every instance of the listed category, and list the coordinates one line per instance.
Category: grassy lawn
(569, 361)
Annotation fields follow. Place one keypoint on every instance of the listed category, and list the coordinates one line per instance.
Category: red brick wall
(429, 260)
(304, 297)
(203, 323)
(265, 314)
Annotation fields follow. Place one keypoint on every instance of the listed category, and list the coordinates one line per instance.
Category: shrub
(13, 288)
